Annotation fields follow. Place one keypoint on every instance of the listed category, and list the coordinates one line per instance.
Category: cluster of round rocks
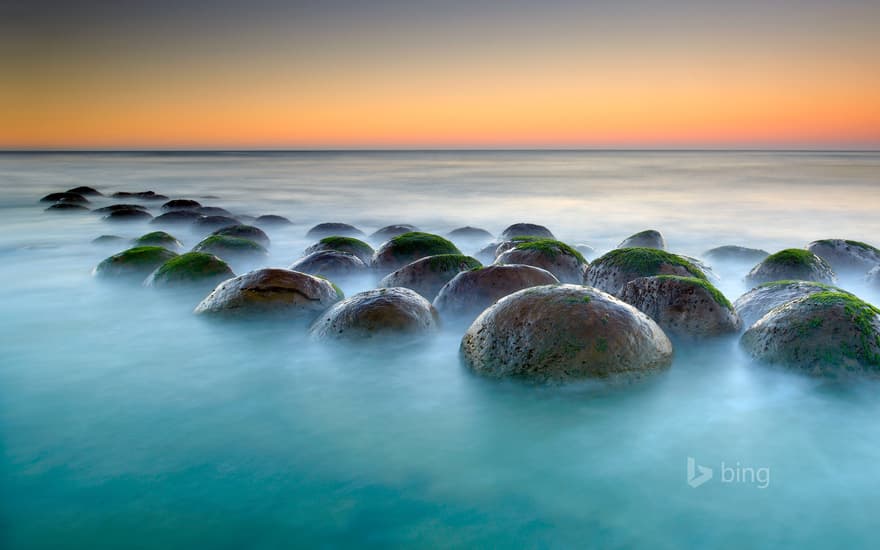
(531, 306)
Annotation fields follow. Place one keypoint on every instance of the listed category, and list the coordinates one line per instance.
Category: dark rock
(409, 247)
(177, 218)
(231, 248)
(563, 261)
(214, 211)
(345, 244)
(85, 191)
(104, 240)
(271, 220)
(391, 231)
(213, 223)
(470, 235)
(128, 215)
(68, 197)
(159, 238)
(526, 230)
(331, 264)
(181, 204)
(428, 275)
(117, 207)
(67, 207)
(245, 232)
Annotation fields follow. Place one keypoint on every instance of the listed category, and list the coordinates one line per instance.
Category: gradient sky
(478, 73)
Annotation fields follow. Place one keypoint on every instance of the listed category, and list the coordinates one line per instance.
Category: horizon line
(440, 149)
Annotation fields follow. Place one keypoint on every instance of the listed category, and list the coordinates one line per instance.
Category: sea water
(125, 421)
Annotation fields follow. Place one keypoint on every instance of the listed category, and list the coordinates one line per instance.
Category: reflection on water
(123, 417)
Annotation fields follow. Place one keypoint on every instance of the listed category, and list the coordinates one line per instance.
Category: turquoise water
(127, 422)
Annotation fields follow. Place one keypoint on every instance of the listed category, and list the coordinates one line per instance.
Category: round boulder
(159, 238)
(616, 268)
(563, 261)
(755, 303)
(844, 256)
(177, 218)
(382, 313)
(134, 263)
(271, 220)
(826, 333)
(67, 207)
(345, 244)
(409, 247)
(75, 198)
(428, 275)
(127, 215)
(470, 234)
(650, 238)
(564, 332)
(331, 264)
(334, 228)
(526, 230)
(735, 254)
(190, 270)
(116, 207)
(792, 264)
(682, 306)
(231, 248)
(181, 204)
(271, 292)
(86, 191)
(214, 211)
(245, 232)
(391, 231)
(470, 292)
(105, 240)
(213, 223)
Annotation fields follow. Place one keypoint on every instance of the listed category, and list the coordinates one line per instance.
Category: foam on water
(125, 420)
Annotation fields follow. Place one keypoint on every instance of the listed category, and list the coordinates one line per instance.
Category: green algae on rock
(193, 269)
(616, 268)
(137, 262)
(409, 247)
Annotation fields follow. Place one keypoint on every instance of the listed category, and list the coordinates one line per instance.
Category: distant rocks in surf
(159, 238)
(330, 229)
(391, 231)
(650, 238)
(133, 264)
(272, 220)
(331, 264)
(735, 254)
(193, 271)
(526, 230)
(143, 195)
(128, 215)
(350, 245)
(176, 218)
(231, 248)
(470, 235)
(86, 191)
(67, 207)
(181, 204)
(245, 232)
(65, 197)
(846, 257)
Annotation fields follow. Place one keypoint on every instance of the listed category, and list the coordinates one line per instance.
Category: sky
(452, 74)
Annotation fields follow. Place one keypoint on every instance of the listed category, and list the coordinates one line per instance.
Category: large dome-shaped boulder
(526, 230)
(73, 198)
(134, 263)
(334, 228)
(792, 264)
(272, 220)
(563, 261)
(191, 270)
(564, 332)
(245, 232)
(391, 231)
(176, 218)
(231, 248)
(735, 254)
(470, 235)
(682, 306)
(331, 264)
(428, 275)
(67, 207)
(115, 207)
(181, 204)
(650, 238)
(85, 191)
(126, 215)
(470, 292)
(345, 244)
(271, 292)
(409, 247)
(845, 256)
(758, 301)
(616, 268)
(826, 333)
(159, 238)
(382, 313)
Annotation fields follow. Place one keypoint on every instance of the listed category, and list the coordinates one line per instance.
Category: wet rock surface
(616, 268)
(792, 264)
(428, 275)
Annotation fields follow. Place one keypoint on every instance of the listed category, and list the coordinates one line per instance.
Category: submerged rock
(735, 254)
(86, 191)
(74, 198)
(181, 204)
(616, 268)
(177, 218)
(213, 223)
(331, 264)
(190, 270)
(345, 244)
(757, 302)
(214, 211)
(428, 275)
(526, 230)
(391, 231)
(271, 220)
(384, 313)
(117, 207)
(330, 229)
(563, 261)
(682, 306)
(104, 240)
(826, 333)
(231, 248)
(650, 238)
(245, 232)
(134, 263)
(470, 292)
(844, 256)
(792, 264)
(470, 234)
(159, 238)
(128, 215)
(271, 292)
(409, 247)
(67, 207)
(145, 195)
(564, 332)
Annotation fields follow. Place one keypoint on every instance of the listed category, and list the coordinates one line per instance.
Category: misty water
(126, 421)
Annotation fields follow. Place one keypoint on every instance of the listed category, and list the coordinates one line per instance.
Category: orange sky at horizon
(545, 90)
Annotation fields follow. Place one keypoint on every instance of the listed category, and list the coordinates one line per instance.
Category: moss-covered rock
(428, 275)
(650, 238)
(272, 220)
(682, 306)
(385, 314)
(159, 238)
(134, 263)
(245, 232)
(564, 332)
(345, 244)
(231, 248)
(108, 240)
(563, 261)
(470, 235)
(128, 215)
(391, 231)
(190, 270)
(331, 264)
(74, 198)
(271, 292)
(470, 292)
(735, 254)
(826, 333)
(181, 204)
(758, 301)
(86, 191)
(178, 218)
(526, 230)
(67, 207)
(792, 264)
(616, 268)
(409, 247)
(330, 229)
(846, 256)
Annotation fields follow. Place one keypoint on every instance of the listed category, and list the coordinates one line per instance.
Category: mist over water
(127, 421)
